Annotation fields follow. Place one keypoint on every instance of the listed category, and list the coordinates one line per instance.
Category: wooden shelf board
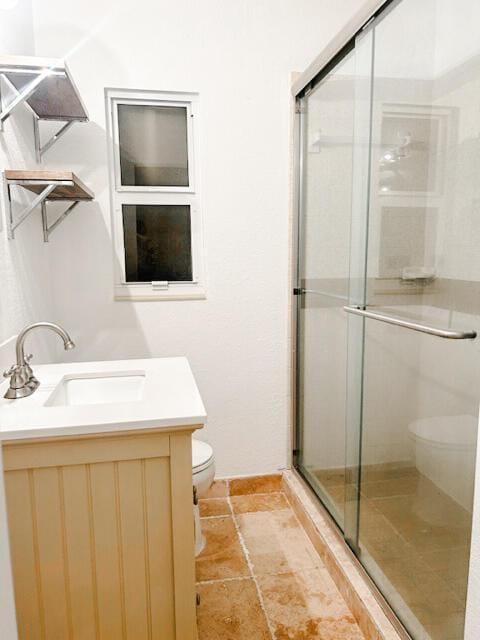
(56, 98)
(35, 181)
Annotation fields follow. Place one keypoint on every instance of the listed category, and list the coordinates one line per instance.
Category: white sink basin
(77, 398)
(104, 388)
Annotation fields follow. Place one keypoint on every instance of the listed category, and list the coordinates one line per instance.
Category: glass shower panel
(327, 119)
(421, 392)
(364, 51)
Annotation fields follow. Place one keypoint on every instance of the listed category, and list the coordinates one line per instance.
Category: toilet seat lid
(451, 431)
(202, 454)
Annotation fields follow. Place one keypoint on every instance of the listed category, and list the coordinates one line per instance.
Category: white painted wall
(16, 27)
(238, 55)
(20, 297)
(24, 262)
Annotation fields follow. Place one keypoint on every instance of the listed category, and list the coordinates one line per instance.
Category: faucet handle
(27, 367)
(8, 373)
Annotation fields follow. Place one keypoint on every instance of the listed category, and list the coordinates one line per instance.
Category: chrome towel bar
(414, 326)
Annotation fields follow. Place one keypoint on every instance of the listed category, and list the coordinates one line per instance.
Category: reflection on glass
(415, 397)
(421, 393)
(322, 331)
(410, 143)
(157, 243)
(153, 145)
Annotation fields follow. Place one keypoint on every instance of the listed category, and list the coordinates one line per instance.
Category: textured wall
(24, 262)
(20, 264)
(238, 56)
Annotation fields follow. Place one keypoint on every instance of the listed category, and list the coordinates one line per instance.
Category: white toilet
(203, 472)
(444, 448)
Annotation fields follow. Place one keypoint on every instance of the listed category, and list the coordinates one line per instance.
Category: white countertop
(170, 398)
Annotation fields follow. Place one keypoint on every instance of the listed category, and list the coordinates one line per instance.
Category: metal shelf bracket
(39, 149)
(45, 87)
(21, 96)
(15, 221)
(49, 229)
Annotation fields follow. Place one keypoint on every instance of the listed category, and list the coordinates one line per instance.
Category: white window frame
(151, 195)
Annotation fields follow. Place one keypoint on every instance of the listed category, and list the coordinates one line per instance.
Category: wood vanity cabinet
(101, 535)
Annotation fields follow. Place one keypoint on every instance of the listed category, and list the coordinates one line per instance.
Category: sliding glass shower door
(388, 365)
(334, 150)
(327, 115)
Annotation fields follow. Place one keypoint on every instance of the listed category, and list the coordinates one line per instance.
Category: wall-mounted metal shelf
(46, 87)
(49, 186)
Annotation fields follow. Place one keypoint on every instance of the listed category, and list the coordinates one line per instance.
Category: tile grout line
(273, 574)
(244, 495)
(244, 513)
(250, 567)
(217, 580)
(410, 545)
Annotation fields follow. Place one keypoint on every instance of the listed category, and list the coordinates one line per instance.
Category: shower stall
(387, 297)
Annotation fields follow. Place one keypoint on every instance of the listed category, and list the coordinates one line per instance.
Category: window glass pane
(153, 145)
(157, 242)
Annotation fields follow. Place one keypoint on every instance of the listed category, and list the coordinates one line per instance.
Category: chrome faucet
(22, 381)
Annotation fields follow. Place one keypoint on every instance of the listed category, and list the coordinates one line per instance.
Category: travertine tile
(451, 629)
(395, 568)
(219, 489)
(259, 502)
(231, 611)
(417, 510)
(331, 477)
(276, 542)
(419, 538)
(214, 507)
(307, 605)
(337, 494)
(387, 471)
(370, 473)
(422, 548)
(429, 598)
(402, 486)
(223, 556)
(371, 618)
(451, 564)
(256, 484)
(300, 598)
(459, 588)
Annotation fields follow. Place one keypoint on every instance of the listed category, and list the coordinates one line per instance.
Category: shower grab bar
(415, 326)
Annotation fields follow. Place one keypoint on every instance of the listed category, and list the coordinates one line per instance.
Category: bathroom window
(157, 242)
(156, 216)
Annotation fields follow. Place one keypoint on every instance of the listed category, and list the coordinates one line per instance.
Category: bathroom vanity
(98, 482)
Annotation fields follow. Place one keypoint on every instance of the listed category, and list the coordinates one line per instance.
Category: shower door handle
(414, 326)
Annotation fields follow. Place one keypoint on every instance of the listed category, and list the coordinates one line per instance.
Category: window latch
(159, 285)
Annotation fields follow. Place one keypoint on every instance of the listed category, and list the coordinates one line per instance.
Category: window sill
(140, 293)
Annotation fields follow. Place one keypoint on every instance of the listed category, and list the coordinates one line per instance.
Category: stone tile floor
(259, 577)
(418, 537)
